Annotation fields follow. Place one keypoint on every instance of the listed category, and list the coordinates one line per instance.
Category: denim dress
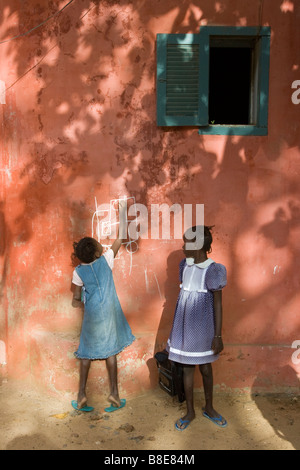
(105, 330)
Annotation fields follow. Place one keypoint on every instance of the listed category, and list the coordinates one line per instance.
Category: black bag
(170, 375)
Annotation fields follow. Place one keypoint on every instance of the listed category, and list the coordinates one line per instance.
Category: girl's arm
(76, 301)
(122, 232)
(217, 343)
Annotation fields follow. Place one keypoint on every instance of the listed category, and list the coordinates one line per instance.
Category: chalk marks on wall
(105, 222)
(2, 353)
(149, 274)
(2, 92)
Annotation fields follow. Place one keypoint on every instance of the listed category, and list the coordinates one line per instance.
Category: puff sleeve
(216, 277)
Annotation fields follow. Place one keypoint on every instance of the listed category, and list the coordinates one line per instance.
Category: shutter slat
(179, 66)
(182, 79)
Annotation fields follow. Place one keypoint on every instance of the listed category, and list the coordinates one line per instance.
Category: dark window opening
(230, 72)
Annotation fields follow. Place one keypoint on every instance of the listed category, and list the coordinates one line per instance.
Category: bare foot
(114, 400)
(81, 401)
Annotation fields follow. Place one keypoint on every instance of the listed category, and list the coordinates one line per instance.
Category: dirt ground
(33, 421)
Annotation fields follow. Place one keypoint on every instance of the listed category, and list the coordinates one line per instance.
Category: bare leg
(188, 381)
(207, 376)
(84, 372)
(112, 369)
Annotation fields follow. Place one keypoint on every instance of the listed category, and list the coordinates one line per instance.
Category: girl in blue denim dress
(105, 331)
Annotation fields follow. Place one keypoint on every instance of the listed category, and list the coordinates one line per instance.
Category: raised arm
(122, 230)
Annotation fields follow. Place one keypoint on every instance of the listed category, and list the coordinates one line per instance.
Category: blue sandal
(219, 421)
(184, 422)
(84, 408)
(112, 408)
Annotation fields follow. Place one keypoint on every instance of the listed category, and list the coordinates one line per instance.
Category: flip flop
(217, 421)
(185, 422)
(112, 408)
(84, 408)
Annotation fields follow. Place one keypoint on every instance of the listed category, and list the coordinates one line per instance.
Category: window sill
(233, 130)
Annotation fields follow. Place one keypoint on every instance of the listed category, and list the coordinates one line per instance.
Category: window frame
(260, 80)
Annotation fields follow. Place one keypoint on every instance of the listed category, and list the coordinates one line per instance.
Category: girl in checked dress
(196, 337)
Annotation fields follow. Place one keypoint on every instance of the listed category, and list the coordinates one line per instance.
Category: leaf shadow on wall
(90, 80)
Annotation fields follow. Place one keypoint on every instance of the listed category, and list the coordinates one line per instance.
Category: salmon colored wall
(79, 122)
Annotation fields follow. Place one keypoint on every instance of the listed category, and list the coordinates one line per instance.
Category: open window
(217, 80)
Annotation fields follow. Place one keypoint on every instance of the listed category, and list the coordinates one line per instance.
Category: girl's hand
(217, 345)
(76, 301)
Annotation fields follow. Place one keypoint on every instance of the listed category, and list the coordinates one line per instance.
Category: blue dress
(105, 330)
(193, 327)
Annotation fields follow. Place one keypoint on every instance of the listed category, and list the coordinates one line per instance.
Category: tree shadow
(4, 241)
(286, 428)
(278, 230)
(36, 441)
(91, 115)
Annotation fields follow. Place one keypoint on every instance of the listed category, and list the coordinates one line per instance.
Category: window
(217, 80)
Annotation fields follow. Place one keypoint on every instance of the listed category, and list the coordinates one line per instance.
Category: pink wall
(78, 122)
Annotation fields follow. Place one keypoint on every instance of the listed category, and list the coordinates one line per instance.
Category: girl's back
(105, 330)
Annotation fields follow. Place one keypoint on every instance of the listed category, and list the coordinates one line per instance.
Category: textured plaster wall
(78, 121)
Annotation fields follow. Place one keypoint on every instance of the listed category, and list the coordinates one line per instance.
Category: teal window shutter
(183, 64)
(179, 101)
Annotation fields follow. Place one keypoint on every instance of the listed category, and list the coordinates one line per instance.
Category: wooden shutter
(179, 102)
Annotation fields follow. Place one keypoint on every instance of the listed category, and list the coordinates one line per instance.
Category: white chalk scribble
(105, 221)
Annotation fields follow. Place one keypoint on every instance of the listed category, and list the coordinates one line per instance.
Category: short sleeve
(76, 279)
(216, 277)
(110, 258)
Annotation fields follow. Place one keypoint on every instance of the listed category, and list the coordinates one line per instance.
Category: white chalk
(2, 353)
(2, 92)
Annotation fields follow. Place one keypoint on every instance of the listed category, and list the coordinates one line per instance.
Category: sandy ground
(31, 420)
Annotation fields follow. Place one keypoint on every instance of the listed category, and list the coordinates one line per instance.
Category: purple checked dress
(193, 326)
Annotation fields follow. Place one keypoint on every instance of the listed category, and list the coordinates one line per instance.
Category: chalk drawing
(146, 280)
(104, 229)
(276, 269)
(158, 288)
(2, 353)
(105, 221)
(148, 275)
(2, 92)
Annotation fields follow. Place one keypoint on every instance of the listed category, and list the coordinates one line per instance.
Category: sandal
(183, 422)
(219, 421)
